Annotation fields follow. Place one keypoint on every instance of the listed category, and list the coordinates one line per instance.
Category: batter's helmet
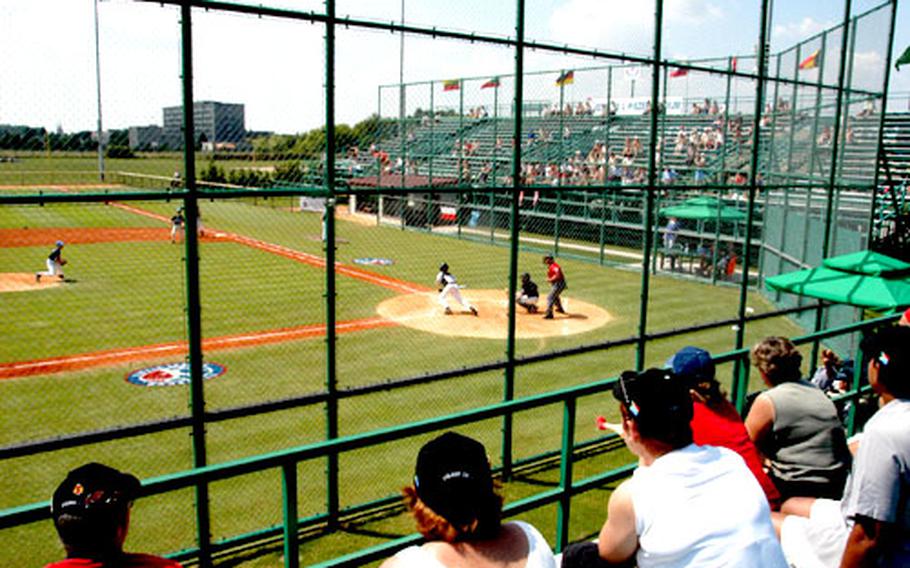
(444, 267)
(59, 243)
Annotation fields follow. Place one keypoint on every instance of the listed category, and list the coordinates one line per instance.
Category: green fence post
(289, 510)
(738, 390)
(647, 222)
(565, 474)
(832, 170)
(193, 308)
(331, 378)
(556, 223)
(879, 155)
(603, 224)
(514, 221)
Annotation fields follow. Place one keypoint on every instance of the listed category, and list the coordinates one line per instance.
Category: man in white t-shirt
(870, 525)
(685, 505)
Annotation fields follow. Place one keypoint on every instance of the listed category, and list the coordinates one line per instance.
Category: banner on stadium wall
(630, 106)
(312, 204)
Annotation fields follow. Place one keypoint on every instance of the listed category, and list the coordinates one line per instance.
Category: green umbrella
(864, 289)
(870, 263)
(703, 209)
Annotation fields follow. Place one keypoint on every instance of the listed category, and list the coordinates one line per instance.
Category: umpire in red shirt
(557, 281)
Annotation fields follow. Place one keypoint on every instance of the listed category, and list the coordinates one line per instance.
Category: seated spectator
(870, 526)
(685, 505)
(91, 512)
(715, 421)
(796, 426)
(458, 511)
(830, 376)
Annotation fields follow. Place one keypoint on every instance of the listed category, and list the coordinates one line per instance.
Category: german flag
(491, 84)
(451, 85)
(810, 62)
(565, 78)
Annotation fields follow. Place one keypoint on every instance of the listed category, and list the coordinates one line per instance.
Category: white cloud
(629, 27)
(795, 31)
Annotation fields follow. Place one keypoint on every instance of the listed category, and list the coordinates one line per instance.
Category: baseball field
(69, 345)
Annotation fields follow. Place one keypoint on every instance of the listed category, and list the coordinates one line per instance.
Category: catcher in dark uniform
(528, 296)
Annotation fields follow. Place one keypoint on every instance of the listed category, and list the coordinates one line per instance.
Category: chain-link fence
(291, 224)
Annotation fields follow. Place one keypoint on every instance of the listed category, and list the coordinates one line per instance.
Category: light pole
(98, 89)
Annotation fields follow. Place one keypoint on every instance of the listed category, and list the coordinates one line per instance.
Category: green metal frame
(286, 461)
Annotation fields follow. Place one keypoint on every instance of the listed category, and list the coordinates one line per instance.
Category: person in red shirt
(715, 421)
(91, 512)
(557, 281)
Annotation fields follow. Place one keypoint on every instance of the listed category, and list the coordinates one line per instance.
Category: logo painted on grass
(172, 374)
(375, 261)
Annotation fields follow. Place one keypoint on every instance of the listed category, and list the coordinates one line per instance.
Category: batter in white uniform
(448, 286)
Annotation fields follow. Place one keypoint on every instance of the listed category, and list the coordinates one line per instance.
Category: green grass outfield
(128, 294)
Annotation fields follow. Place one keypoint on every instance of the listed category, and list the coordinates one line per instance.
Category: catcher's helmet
(444, 267)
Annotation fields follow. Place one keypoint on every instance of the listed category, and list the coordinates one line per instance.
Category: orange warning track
(179, 348)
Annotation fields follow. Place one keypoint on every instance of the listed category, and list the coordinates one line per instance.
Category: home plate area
(422, 311)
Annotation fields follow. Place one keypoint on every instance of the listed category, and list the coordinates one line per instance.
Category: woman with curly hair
(458, 511)
(796, 426)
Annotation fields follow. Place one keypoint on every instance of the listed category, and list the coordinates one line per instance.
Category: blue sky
(276, 68)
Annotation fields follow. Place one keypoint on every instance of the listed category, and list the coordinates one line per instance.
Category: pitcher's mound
(25, 281)
(422, 311)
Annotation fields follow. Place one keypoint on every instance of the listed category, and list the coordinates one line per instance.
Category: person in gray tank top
(796, 426)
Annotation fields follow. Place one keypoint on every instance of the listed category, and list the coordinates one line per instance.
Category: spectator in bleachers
(459, 512)
(685, 504)
(715, 421)
(91, 512)
(796, 426)
(830, 377)
(870, 526)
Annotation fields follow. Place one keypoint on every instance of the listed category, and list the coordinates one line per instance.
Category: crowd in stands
(779, 489)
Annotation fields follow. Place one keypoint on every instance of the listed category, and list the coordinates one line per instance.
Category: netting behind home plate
(256, 201)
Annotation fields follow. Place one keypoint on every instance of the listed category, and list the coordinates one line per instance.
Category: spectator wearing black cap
(91, 512)
(796, 426)
(715, 421)
(458, 510)
(685, 505)
(870, 526)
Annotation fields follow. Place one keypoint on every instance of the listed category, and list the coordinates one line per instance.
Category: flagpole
(460, 131)
(562, 117)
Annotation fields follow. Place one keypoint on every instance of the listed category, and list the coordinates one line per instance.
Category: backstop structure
(289, 328)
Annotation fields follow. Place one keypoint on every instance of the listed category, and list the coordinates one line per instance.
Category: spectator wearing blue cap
(91, 512)
(715, 421)
(55, 263)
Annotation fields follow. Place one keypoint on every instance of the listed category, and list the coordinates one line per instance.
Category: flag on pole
(492, 83)
(810, 62)
(679, 72)
(903, 59)
(565, 78)
(451, 85)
